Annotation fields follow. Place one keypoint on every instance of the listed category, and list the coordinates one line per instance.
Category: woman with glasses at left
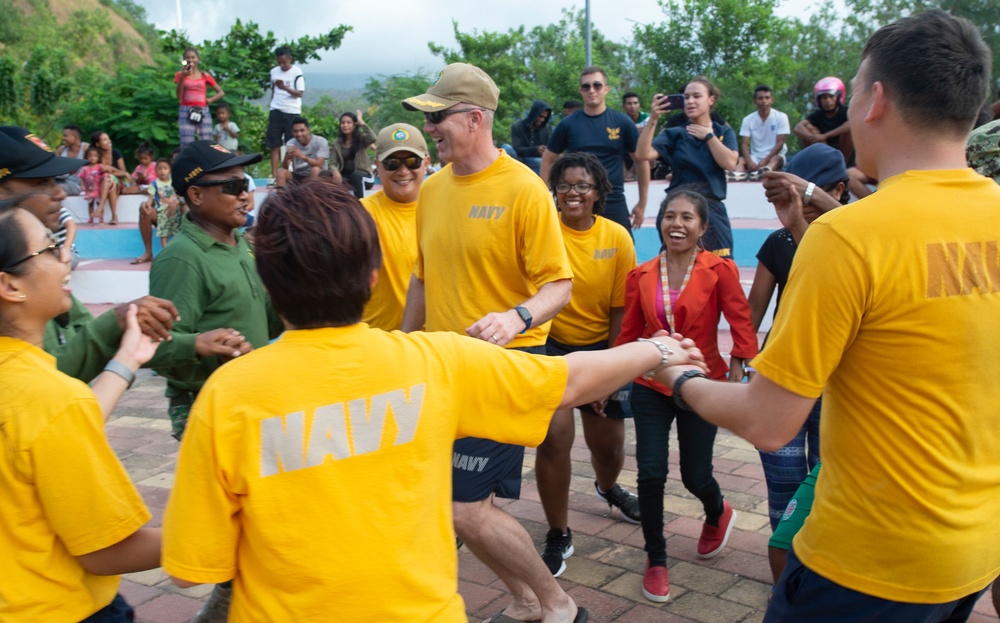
(601, 254)
(71, 520)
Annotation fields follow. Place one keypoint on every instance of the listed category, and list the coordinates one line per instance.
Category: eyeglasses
(53, 248)
(412, 163)
(581, 189)
(235, 186)
(438, 116)
(586, 86)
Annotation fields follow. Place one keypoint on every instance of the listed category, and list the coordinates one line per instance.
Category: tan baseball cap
(399, 137)
(458, 83)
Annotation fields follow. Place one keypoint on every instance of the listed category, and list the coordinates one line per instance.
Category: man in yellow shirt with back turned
(892, 307)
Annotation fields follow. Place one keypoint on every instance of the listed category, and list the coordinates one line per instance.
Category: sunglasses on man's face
(438, 116)
(586, 86)
(235, 186)
(411, 162)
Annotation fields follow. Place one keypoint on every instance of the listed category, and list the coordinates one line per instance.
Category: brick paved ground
(605, 573)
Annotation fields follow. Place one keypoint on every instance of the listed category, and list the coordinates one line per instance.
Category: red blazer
(714, 289)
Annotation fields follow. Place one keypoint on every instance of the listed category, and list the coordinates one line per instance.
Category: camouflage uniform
(983, 150)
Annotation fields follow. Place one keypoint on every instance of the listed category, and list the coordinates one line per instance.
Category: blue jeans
(803, 596)
(533, 162)
(787, 467)
(653, 414)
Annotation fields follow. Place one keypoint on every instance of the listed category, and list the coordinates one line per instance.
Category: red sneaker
(714, 539)
(655, 584)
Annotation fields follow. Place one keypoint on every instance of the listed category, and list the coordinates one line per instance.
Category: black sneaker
(617, 497)
(558, 547)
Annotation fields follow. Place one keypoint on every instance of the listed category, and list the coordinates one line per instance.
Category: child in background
(145, 171)
(162, 197)
(226, 132)
(65, 238)
(91, 177)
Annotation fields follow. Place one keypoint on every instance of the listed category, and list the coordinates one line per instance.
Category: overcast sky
(390, 36)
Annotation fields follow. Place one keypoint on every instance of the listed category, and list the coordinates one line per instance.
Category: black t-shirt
(610, 136)
(776, 254)
(824, 123)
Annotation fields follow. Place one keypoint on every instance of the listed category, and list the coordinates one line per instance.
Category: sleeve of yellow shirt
(827, 296)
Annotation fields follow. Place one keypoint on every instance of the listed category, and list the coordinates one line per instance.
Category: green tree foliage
(543, 63)
(729, 41)
(384, 94)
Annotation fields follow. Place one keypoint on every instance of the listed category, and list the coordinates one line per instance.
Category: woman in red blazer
(683, 290)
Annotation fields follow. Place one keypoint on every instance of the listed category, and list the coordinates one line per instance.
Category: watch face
(525, 316)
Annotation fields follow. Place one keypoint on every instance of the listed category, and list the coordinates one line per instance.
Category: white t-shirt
(281, 99)
(764, 133)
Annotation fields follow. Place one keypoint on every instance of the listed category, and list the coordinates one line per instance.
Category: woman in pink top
(192, 91)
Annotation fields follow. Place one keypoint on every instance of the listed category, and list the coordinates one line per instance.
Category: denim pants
(653, 414)
(788, 466)
(118, 611)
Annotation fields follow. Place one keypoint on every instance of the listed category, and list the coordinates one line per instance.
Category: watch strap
(120, 369)
(525, 316)
(681, 380)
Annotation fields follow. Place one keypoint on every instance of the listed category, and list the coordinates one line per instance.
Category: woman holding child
(683, 290)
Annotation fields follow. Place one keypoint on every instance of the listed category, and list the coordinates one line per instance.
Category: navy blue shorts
(618, 405)
(118, 611)
(804, 596)
(482, 467)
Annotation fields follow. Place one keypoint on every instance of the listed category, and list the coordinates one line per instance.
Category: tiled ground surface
(605, 573)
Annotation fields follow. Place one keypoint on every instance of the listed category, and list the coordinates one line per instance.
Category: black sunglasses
(235, 186)
(438, 116)
(412, 163)
(586, 86)
(52, 247)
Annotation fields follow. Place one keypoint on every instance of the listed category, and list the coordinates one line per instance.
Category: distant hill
(337, 82)
(123, 37)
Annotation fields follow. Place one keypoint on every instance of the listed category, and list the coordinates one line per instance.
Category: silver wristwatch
(664, 359)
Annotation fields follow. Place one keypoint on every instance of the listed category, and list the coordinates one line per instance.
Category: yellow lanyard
(668, 309)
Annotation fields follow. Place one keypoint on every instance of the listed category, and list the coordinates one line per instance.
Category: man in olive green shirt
(208, 272)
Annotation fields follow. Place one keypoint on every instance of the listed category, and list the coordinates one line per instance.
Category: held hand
(498, 328)
(225, 343)
(541, 150)
(779, 187)
(293, 152)
(790, 213)
(685, 353)
(638, 216)
(598, 406)
(280, 83)
(136, 347)
(155, 316)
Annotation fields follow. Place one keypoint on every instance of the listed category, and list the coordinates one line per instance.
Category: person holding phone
(194, 118)
(700, 152)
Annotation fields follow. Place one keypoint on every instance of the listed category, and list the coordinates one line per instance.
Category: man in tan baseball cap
(491, 265)
(401, 160)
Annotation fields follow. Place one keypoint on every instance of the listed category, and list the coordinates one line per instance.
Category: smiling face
(301, 133)
(697, 101)
(104, 143)
(214, 210)
(576, 208)
(45, 281)
(403, 184)
(191, 57)
(681, 226)
(453, 135)
(70, 138)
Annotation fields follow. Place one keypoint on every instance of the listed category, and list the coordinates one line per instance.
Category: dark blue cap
(820, 164)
